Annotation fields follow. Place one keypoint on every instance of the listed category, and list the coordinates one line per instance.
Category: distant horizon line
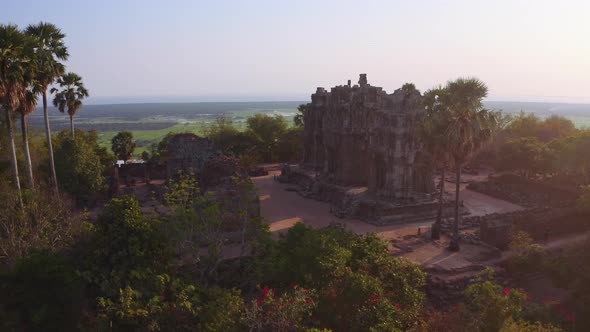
(302, 101)
(293, 97)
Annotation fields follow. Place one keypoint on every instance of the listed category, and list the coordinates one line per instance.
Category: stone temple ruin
(220, 175)
(188, 154)
(360, 135)
(363, 153)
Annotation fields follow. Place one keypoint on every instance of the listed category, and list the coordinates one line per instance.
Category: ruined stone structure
(361, 136)
(188, 154)
(221, 176)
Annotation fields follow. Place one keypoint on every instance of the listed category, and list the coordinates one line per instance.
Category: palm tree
(70, 96)
(470, 127)
(14, 51)
(433, 133)
(50, 49)
(26, 107)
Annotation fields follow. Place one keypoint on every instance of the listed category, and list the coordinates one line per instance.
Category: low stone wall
(541, 223)
(141, 171)
(524, 192)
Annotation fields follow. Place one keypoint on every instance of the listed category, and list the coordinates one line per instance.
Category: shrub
(360, 285)
(489, 305)
(170, 304)
(511, 325)
(45, 223)
(286, 312)
(80, 164)
(125, 248)
(525, 255)
(42, 293)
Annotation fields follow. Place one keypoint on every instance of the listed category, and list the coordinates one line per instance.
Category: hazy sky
(271, 50)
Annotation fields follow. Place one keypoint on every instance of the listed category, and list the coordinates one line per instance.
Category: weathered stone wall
(541, 223)
(217, 174)
(525, 192)
(188, 153)
(360, 135)
(144, 170)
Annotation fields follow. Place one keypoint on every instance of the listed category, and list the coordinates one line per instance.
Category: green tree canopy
(70, 95)
(267, 131)
(360, 285)
(123, 145)
(298, 119)
(80, 164)
(50, 49)
(527, 155)
(530, 125)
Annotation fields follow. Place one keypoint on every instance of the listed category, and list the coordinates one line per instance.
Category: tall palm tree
(70, 97)
(14, 50)
(433, 133)
(50, 50)
(470, 127)
(26, 107)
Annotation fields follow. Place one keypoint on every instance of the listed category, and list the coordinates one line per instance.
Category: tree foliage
(527, 155)
(267, 131)
(123, 145)
(490, 305)
(42, 293)
(266, 138)
(45, 223)
(298, 119)
(81, 164)
(359, 285)
(226, 136)
(69, 96)
(125, 248)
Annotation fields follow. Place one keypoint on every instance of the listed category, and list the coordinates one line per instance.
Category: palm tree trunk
(28, 164)
(49, 144)
(14, 163)
(454, 246)
(72, 125)
(435, 233)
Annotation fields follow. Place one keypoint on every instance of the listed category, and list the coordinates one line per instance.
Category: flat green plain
(150, 122)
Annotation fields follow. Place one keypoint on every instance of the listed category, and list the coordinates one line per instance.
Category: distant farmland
(150, 122)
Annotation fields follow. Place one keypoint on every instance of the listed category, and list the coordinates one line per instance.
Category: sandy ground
(281, 209)
(478, 204)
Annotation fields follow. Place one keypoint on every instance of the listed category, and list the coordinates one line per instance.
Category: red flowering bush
(286, 312)
(550, 310)
(360, 285)
(488, 305)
